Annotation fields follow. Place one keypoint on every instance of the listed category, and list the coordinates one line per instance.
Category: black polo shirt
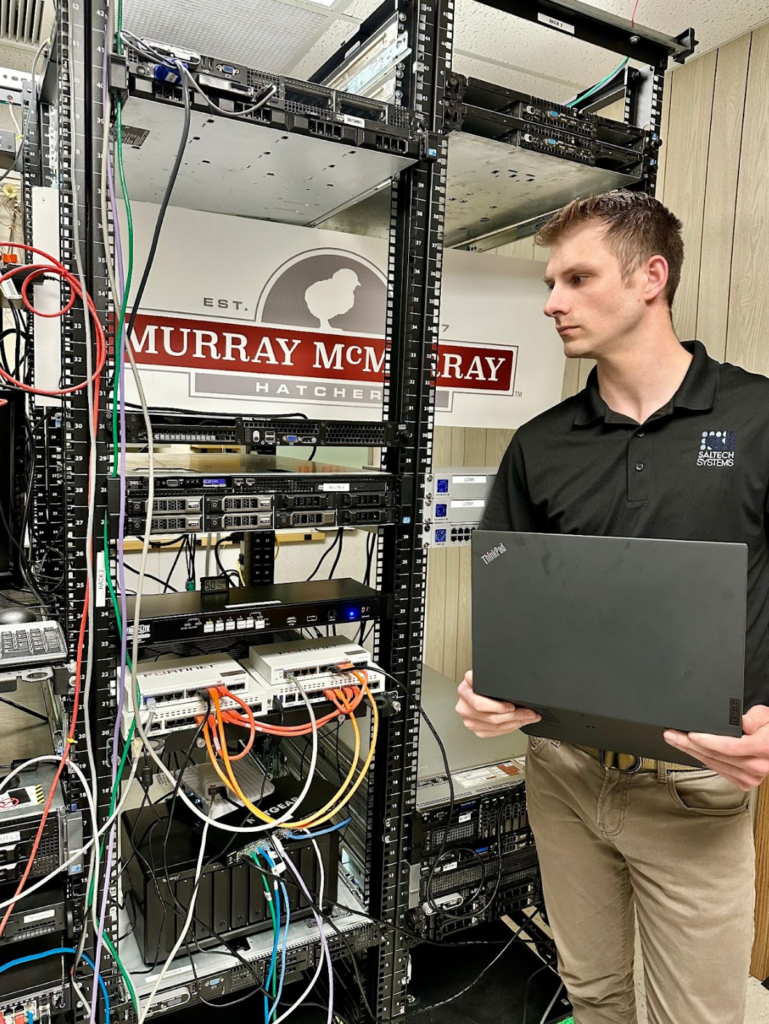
(698, 469)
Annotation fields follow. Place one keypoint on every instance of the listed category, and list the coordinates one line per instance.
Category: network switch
(174, 691)
(318, 665)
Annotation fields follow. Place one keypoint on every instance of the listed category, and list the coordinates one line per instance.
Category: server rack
(65, 148)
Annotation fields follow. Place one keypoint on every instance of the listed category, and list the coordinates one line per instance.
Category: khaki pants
(677, 850)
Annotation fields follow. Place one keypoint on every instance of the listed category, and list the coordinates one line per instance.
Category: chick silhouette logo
(329, 290)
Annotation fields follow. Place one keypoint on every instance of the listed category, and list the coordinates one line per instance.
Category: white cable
(272, 89)
(322, 957)
(77, 854)
(185, 926)
(19, 134)
(91, 806)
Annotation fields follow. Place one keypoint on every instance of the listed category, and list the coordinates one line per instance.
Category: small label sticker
(451, 866)
(42, 915)
(469, 479)
(170, 974)
(465, 817)
(469, 503)
(10, 837)
(334, 487)
(562, 26)
(357, 122)
(101, 581)
(490, 773)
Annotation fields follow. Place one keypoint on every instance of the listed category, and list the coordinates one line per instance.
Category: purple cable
(121, 570)
(323, 939)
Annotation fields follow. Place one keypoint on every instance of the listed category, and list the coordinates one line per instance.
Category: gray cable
(551, 1004)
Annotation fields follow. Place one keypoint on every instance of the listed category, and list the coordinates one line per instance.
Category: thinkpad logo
(717, 448)
(496, 551)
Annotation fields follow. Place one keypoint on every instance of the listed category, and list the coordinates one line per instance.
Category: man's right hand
(487, 717)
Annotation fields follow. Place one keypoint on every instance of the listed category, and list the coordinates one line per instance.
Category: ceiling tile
(264, 34)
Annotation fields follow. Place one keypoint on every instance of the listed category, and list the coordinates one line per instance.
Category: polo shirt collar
(698, 390)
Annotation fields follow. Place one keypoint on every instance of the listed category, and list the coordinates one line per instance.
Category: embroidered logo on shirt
(717, 448)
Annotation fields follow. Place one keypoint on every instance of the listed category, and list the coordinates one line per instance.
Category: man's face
(594, 309)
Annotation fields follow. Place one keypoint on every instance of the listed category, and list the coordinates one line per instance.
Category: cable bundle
(346, 700)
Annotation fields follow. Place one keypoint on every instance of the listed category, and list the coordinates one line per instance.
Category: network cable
(185, 927)
(59, 951)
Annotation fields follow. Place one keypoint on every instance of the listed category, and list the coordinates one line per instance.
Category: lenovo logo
(496, 551)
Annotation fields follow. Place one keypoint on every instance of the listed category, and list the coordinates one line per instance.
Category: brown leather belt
(630, 763)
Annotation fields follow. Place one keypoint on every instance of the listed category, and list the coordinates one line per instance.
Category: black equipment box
(42, 912)
(231, 898)
(245, 610)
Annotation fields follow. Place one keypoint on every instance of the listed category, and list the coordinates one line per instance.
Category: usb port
(312, 618)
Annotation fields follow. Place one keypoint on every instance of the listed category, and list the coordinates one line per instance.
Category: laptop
(611, 639)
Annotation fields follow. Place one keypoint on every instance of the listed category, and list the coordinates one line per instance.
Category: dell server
(247, 610)
(533, 111)
(21, 808)
(477, 859)
(232, 492)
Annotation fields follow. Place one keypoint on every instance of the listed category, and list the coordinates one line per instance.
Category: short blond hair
(638, 227)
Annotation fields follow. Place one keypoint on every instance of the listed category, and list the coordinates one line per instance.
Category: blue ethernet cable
(57, 952)
(321, 832)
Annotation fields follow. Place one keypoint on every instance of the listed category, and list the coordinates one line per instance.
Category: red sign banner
(194, 344)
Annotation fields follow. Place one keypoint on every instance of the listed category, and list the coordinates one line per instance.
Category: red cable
(352, 694)
(251, 722)
(632, 20)
(84, 617)
(55, 267)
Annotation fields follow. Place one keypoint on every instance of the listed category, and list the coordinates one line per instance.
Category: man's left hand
(743, 760)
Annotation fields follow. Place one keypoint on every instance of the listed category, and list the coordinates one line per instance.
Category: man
(663, 442)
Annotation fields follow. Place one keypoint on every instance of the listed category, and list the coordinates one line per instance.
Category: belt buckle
(602, 758)
(615, 767)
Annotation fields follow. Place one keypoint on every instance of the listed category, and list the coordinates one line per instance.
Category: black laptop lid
(638, 630)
